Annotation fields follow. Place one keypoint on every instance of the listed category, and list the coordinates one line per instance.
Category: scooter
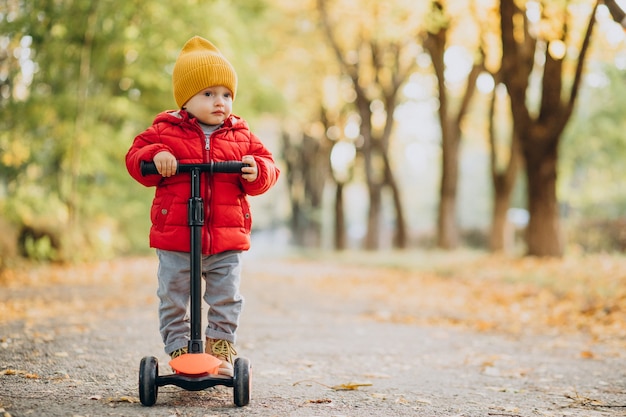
(195, 370)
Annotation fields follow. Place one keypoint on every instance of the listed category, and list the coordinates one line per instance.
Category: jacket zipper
(208, 190)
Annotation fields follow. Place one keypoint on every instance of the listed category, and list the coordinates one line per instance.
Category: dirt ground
(324, 338)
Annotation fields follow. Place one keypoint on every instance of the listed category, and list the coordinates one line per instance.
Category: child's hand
(165, 163)
(250, 173)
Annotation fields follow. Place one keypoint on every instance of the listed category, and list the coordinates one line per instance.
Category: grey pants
(222, 275)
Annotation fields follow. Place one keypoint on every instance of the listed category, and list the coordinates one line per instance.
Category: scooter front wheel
(241, 382)
(148, 388)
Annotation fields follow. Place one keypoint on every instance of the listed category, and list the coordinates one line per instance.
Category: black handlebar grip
(148, 168)
(226, 167)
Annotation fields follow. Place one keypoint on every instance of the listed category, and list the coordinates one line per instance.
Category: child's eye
(208, 94)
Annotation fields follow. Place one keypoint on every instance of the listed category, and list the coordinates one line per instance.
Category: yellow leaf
(13, 372)
(131, 400)
(124, 399)
(349, 386)
(587, 354)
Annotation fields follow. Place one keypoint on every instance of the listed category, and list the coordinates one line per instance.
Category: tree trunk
(340, 219)
(497, 238)
(371, 82)
(400, 239)
(503, 188)
(503, 183)
(307, 170)
(447, 231)
(539, 135)
(372, 238)
(447, 226)
(400, 235)
(543, 233)
(373, 174)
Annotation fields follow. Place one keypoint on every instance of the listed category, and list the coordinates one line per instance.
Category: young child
(203, 130)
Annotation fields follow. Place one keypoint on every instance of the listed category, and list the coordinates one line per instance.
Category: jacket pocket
(247, 215)
(161, 209)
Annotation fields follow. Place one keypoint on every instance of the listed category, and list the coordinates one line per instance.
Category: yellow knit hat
(201, 65)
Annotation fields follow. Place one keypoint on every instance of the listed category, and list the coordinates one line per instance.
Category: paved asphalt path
(76, 352)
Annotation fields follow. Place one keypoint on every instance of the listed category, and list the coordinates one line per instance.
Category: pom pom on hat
(201, 65)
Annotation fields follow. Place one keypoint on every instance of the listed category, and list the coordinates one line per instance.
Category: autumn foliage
(470, 290)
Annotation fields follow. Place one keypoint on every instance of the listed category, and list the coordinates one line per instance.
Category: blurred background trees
(397, 124)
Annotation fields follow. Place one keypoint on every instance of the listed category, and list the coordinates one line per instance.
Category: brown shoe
(178, 352)
(224, 351)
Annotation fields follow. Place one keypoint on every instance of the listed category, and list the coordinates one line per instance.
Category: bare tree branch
(581, 60)
(618, 14)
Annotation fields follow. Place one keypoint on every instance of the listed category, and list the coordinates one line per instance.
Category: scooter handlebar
(226, 167)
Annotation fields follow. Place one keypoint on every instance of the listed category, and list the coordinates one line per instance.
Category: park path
(322, 339)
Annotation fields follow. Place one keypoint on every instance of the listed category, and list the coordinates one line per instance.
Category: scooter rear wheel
(148, 388)
(241, 382)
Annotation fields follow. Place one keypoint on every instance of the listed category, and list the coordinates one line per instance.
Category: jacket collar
(182, 116)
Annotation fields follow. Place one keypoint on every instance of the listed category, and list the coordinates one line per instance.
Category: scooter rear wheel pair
(149, 381)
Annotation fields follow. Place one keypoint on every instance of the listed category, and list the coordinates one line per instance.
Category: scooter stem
(196, 221)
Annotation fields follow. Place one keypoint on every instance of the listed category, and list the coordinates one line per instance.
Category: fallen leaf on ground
(19, 372)
(583, 401)
(350, 386)
(402, 400)
(12, 372)
(320, 401)
(124, 399)
(587, 354)
(377, 376)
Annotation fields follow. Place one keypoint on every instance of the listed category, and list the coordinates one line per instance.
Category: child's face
(212, 105)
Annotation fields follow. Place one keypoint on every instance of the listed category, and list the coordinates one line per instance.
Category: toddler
(202, 130)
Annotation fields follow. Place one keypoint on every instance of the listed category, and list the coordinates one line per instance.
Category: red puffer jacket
(227, 213)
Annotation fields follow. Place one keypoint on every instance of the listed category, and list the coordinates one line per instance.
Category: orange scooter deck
(196, 364)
